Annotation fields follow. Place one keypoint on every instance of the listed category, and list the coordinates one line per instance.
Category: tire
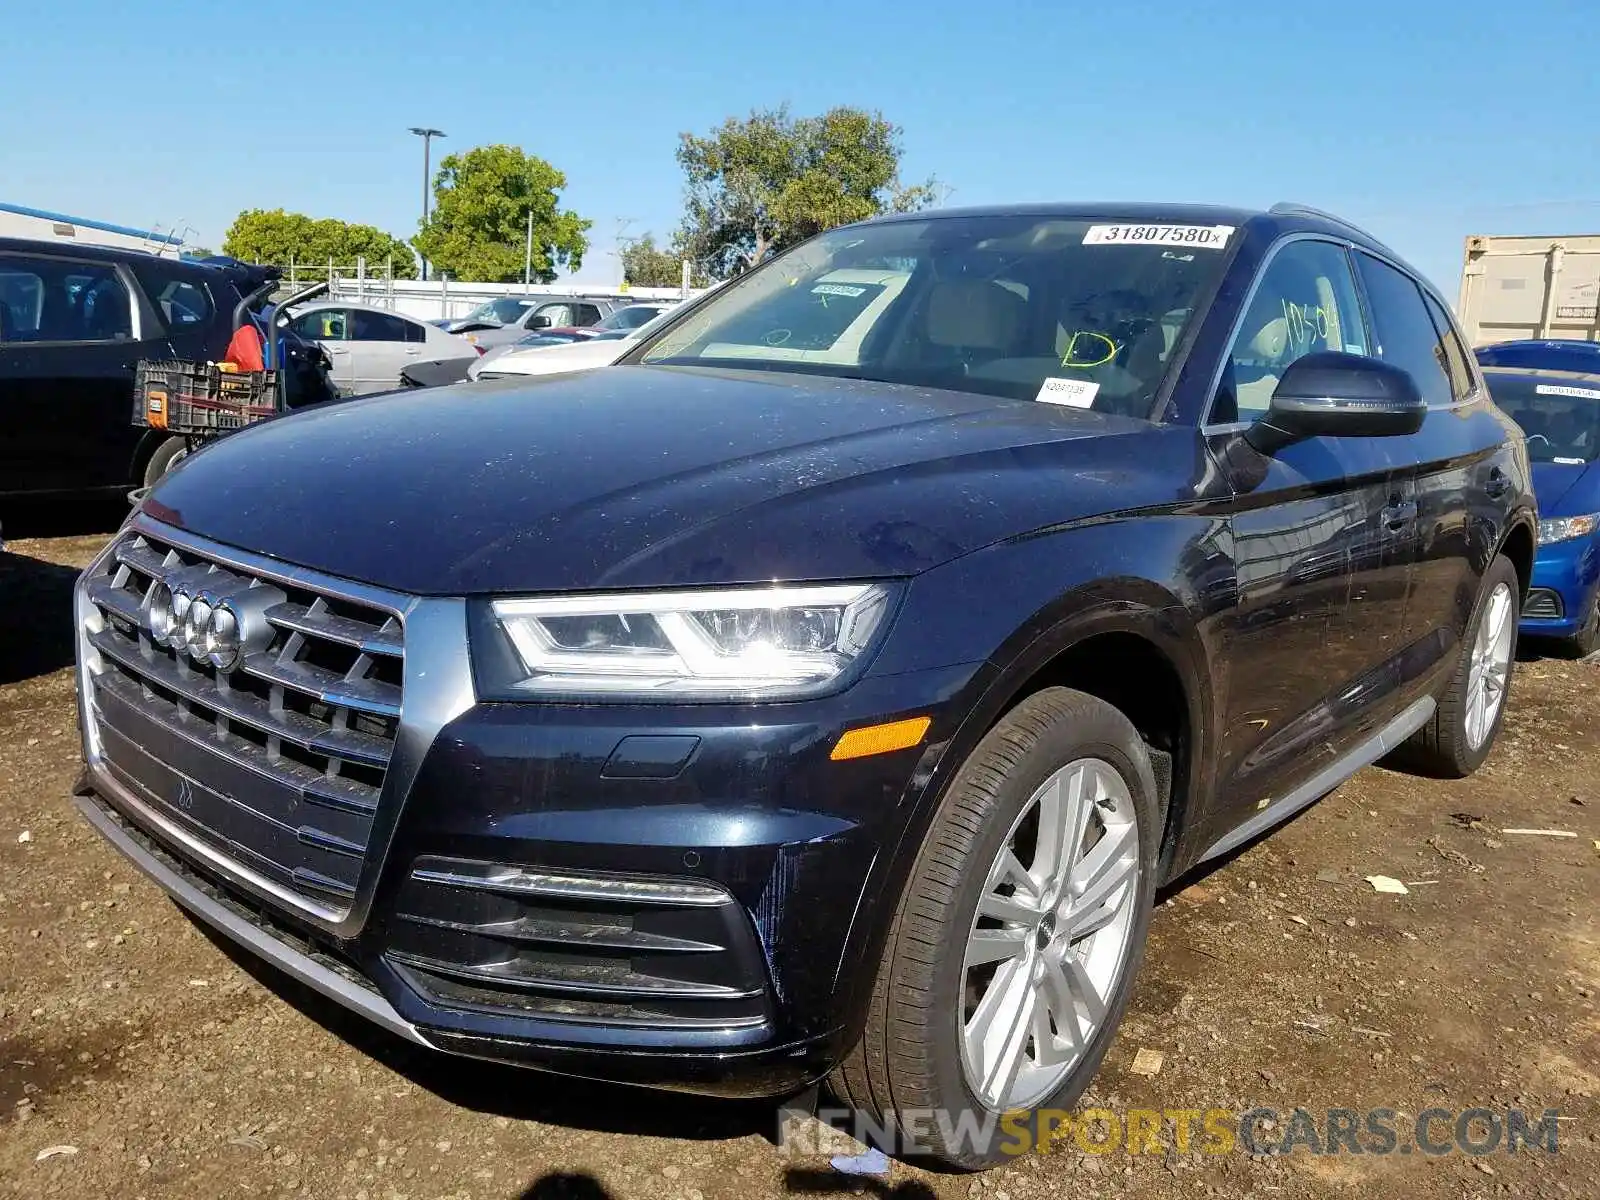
(1444, 747)
(1587, 640)
(914, 1053)
(167, 455)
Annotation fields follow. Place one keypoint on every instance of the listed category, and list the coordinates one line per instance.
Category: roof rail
(1289, 207)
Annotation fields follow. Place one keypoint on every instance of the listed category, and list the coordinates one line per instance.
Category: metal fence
(436, 299)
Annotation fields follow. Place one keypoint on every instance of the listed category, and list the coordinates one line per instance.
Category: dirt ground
(174, 1069)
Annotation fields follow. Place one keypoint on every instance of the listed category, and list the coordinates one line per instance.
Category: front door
(330, 328)
(69, 347)
(1322, 533)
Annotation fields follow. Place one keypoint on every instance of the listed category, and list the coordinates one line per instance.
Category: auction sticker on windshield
(1205, 237)
(1075, 393)
(1561, 389)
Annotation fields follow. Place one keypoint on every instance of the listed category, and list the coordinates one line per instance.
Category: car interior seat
(972, 321)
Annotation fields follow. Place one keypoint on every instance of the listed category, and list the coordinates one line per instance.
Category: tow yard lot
(171, 1067)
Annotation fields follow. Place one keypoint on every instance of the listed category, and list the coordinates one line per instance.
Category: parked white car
(369, 346)
(599, 351)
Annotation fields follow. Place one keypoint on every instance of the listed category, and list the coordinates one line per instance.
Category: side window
(51, 300)
(585, 314)
(21, 300)
(182, 302)
(1450, 351)
(1405, 333)
(415, 332)
(1305, 302)
(324, 325)
(558, 314)
(376, 327)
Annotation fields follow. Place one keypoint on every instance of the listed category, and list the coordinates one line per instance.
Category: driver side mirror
(540, 321)
(1332, 394)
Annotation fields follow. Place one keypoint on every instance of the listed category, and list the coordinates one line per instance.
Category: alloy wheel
(1490, 668)
(1050, 941)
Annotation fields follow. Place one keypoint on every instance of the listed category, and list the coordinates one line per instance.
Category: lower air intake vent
(1542, 602)
(608, 949)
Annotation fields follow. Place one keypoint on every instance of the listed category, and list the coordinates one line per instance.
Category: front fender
(1014, 607)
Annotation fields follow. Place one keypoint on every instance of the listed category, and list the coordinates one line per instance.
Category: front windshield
(1076, 312)
(1560, 420)
(502, 312)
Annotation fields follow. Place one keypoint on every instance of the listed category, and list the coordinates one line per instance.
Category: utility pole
(527, 256)
(619, 244)
(427, 135)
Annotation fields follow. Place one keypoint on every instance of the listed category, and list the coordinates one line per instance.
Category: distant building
(17, 221)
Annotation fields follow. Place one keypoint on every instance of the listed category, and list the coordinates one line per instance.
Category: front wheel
(1017, 939)
(168, 455)
(1459, 736)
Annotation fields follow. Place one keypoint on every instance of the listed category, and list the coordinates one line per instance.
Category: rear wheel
(1020, 931)
(1461, 733)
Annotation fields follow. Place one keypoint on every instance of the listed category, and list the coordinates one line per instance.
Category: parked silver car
(371, 346)
(550, 312)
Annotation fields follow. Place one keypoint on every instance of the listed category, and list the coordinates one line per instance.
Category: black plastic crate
(200, 398)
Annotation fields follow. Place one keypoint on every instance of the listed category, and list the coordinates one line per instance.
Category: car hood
(1566, 489)
(548, 360)
(658, 476)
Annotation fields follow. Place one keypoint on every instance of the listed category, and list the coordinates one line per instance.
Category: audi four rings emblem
(211, 624)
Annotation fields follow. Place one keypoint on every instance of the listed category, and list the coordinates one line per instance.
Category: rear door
(381, 346)
(1319, 534)
(70, 340)
(1461, 465)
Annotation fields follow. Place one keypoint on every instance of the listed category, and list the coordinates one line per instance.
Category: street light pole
(427, 136)
(527, 259)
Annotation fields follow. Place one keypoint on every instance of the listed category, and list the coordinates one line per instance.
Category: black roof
(123, 254)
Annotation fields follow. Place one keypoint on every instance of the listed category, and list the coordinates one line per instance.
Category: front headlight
(1564, 529)
(741, 644)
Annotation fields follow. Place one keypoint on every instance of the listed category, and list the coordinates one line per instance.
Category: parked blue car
(1557, 354)
(1559, 411)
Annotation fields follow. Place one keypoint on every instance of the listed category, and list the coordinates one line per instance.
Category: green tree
(644, 264)
(275, 236)
(478, 228)
(771, 180)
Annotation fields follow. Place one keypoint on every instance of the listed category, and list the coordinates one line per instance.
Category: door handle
(1398, 514)
(1499, 484)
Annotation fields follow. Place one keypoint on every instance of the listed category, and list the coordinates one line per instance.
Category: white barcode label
(1561, 389)
(1074, 393)
(1201, 237)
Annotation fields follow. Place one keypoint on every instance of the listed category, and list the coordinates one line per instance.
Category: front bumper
(1565, 579)
(757, 866)
(763, 1071)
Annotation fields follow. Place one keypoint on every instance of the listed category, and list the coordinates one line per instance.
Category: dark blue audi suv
(824, 690)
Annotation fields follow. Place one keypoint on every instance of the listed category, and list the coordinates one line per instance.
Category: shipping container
(1530, 287)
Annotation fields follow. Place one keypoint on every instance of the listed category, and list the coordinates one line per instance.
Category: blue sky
(1421, 119)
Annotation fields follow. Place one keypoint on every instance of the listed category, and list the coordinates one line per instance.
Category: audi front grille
(272, 763)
